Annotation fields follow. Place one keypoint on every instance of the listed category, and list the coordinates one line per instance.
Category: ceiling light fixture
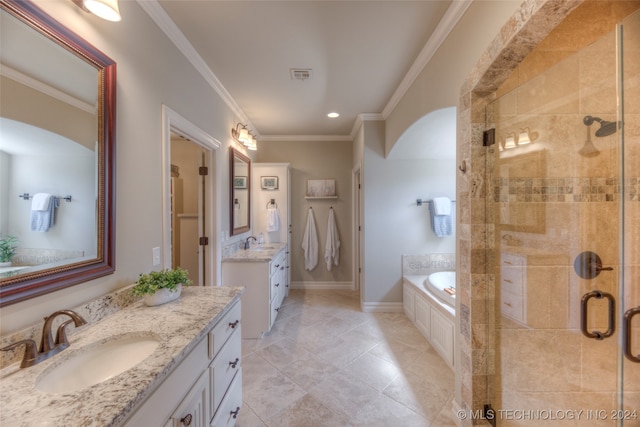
(244, 137)
(105, 9)
(333, 115)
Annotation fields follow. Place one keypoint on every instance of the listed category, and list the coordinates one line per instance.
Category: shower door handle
(628, 316)
(584, 315)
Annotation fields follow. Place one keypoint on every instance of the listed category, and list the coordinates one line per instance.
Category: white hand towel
(273, 219)
(310, 243)
(442, 206)
(332, 245)
(40, 202)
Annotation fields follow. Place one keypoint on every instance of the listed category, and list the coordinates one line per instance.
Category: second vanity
(262, 270)
(193, 377)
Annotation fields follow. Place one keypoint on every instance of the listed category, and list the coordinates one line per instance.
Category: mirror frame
(30, 285)
(233, 155)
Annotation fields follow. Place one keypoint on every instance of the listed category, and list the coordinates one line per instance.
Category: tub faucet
(48, 346)
(247, 244)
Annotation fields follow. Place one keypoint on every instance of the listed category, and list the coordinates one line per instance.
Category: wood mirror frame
(239, 183)
(32, 284)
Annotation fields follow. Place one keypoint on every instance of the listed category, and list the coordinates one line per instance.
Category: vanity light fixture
(244, 137)
(105, 9)
(523, 137)
(510, 141)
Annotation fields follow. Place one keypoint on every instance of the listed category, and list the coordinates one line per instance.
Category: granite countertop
(257, 253)
(179, 325)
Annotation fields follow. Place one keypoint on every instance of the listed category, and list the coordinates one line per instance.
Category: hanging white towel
(332, 245)
(273, 218)
(442, 225)
(42, 212)
(442, 206)
(310, 243)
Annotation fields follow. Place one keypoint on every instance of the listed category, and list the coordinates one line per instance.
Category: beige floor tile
(326, 363)
(386, 412)
(307, 412)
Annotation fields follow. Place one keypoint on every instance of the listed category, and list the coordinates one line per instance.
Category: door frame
(174, 122)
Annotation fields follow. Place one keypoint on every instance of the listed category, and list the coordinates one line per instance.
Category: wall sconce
(105, 9)
(510, 141)
(244, 137)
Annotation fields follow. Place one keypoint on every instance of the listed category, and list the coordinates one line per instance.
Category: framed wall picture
(321, 188)
(269, 182)
(240, 182)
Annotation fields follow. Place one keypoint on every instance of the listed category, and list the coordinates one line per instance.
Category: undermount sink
(97, 362)
(262, 248)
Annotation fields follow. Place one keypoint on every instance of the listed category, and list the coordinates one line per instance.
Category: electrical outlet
(156, 256)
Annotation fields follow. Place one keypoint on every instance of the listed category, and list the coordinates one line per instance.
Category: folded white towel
(442, 206)
(273, 219)
(40, 202)
(310, 243)
(332, 245)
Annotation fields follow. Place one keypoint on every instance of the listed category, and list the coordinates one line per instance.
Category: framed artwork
(240, 182)
(269, 182)
(321, 188)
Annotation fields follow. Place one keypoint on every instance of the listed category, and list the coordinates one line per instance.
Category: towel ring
(272, 202)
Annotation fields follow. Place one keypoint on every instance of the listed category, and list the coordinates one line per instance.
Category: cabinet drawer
(274, 308)
(276, 263)
(223, 330)
(231, 404)
(277, 283)
(224, 367)
(511, 279)
(511, 306)
(511, 259)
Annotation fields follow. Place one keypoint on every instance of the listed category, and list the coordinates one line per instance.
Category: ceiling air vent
(300, 73)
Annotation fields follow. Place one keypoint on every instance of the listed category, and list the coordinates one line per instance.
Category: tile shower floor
(326, 363)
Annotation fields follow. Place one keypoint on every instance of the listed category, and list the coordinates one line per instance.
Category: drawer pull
(234, 363)
(234, 414)
(186, 421)
(277, 284)
(277, 265)
(234, 324)
(277, 309)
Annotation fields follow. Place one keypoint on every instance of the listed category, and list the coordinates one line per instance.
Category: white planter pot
(162, 296)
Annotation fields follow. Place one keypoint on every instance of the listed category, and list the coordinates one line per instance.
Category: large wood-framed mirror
(240, 191)
(57, 140)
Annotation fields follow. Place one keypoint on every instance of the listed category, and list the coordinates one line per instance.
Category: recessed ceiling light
(333, 115)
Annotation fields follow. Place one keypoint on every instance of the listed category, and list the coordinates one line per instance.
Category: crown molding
(166, 24)
(447, 23)
(39, 86)
(305, 138)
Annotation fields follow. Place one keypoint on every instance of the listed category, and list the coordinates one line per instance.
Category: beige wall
(317, 160)
(150, 72)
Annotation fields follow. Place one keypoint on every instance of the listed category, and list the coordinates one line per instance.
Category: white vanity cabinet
(265, 281)
(209, 379)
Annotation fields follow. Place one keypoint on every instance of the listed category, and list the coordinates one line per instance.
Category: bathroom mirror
(240, 191)
(57, 137)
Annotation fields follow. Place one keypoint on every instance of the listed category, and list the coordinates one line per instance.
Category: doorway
(190, 194)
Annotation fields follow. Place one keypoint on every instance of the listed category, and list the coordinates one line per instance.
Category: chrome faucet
(247, 244)
(48, 345)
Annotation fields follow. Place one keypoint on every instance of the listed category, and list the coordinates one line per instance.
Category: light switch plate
(156, 256)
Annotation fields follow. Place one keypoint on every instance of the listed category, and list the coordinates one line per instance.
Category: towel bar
(419, 202)
(27, 196)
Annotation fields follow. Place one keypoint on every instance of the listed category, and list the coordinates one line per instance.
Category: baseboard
(345, 286)
(382, 307)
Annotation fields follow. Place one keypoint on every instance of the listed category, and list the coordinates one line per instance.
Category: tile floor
(326, 363)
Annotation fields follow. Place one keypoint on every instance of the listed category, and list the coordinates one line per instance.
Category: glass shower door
(565, 177)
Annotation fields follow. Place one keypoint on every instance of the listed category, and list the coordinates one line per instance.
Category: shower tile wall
(531, 74)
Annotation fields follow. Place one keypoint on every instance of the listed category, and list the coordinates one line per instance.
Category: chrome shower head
(606, 128)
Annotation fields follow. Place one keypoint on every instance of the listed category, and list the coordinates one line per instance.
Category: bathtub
(438, 283)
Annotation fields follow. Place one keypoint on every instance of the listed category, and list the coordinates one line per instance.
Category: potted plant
(159, 287)
(7, 250)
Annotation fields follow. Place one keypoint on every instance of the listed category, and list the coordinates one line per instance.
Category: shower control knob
(588, 265)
